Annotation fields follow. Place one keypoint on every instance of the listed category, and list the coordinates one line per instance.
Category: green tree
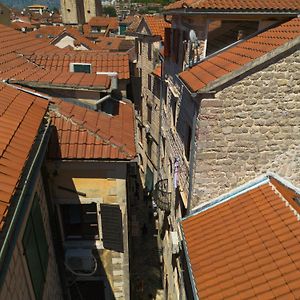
(109, 10)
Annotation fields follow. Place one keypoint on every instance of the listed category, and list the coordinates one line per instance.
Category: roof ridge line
(250, 185)
(287, 203)
(75, 122)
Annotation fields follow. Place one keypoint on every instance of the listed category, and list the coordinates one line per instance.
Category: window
(95, 29)
(173, 108)
(149, 51)
(149, 82)
(149, 113)
(80, 221)
(80, 68)
(149, 146)
(187, 141)
(36, 248)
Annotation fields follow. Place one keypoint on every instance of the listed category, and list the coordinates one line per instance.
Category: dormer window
(80, 68)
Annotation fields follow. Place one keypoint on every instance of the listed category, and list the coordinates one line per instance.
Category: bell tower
(79, 11)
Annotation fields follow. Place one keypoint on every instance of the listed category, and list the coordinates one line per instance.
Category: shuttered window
(80, 221)
(112, 227)
(36, 248)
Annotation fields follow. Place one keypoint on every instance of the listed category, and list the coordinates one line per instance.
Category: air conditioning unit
(80, 259)
(175, 242)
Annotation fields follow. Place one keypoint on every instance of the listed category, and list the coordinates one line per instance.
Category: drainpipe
(192, 157)
(102, 100)
(11, 236)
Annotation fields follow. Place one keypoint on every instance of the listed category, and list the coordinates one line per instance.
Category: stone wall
(248, 128)
(146, 64)
(69, 11)
(17, 283)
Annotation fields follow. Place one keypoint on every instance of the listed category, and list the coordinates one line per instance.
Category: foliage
(109, 10)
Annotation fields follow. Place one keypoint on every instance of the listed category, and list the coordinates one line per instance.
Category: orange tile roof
(21, 115)
(246, 247)
(59, 60)
(157, 71)
(134, 25)
(51, 66)
(20, 25)
(157, 25)
(113, 44)
(256, 5)
(82, 133)
(239, 55)
(111, 22)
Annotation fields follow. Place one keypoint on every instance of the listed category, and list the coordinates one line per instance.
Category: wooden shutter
(167, 42)
(36, 249)
(112, 227)
(40, 234)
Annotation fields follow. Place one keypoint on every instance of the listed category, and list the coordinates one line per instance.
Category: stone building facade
(248, 128)
(17, 282)
(102, 185)
(147, 47)
(184, 113)
(79, 11)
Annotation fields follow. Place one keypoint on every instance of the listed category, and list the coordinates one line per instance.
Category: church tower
(79, 11)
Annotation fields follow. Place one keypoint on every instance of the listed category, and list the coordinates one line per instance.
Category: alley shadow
(145, 268)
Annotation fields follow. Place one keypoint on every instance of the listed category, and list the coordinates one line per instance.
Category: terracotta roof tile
(157, 25)
(237, 56)
(239, 261)
(256, 5)
(85, 134)
(21, 115)
(50, 65)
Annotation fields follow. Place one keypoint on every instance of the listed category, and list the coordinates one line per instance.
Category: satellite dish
(193, 36)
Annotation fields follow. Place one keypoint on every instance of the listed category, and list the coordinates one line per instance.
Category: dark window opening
(149, 146)
(69, 10)
(149, 113)
(149, 82)
(80, 221)
(173, 108)
(82, 68)
(187, 142)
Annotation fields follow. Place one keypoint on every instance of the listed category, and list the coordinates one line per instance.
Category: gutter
(23, 201)
(57, 86)
(188, 263)
(194, 11)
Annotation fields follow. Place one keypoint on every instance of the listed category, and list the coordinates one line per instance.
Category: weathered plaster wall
(102, 182)
(249, 128)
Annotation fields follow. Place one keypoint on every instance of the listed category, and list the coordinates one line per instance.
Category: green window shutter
(33, 260)
(40, 234)
(36, 249)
